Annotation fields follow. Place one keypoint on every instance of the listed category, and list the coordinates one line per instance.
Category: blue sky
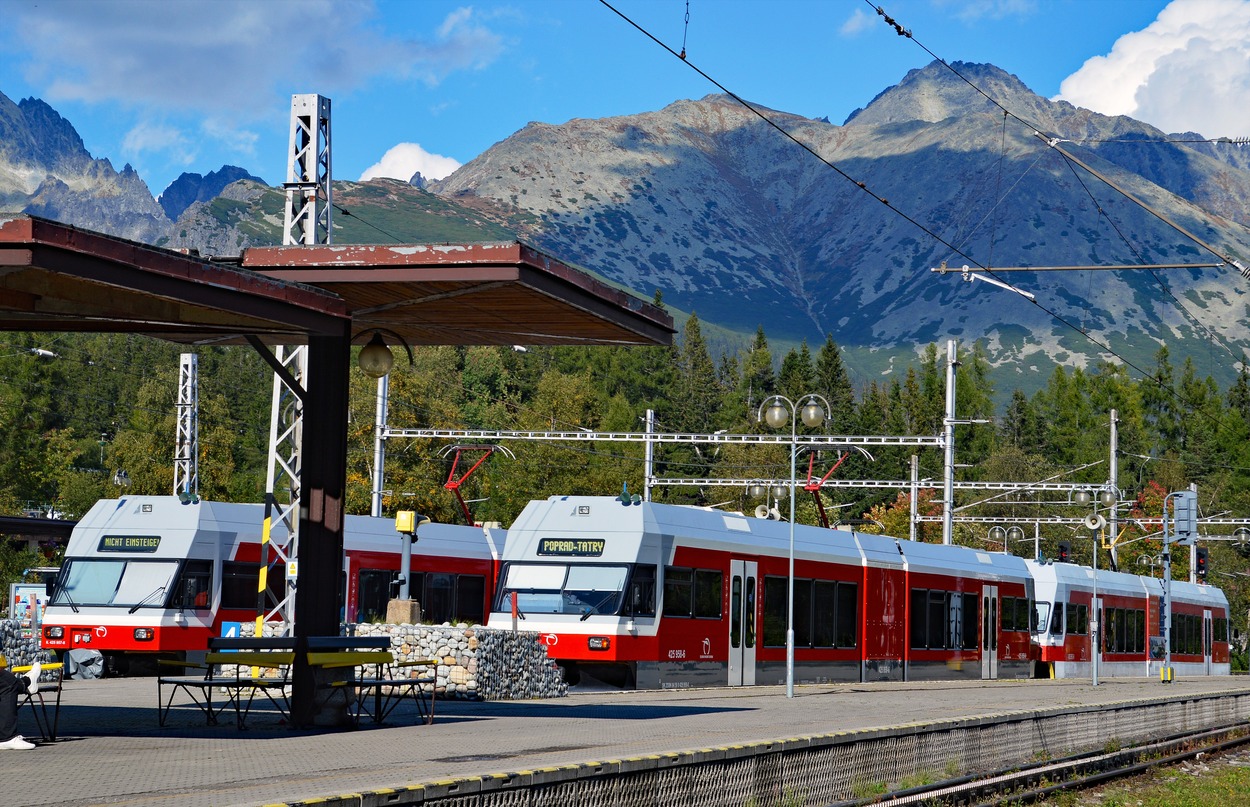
(184, 85)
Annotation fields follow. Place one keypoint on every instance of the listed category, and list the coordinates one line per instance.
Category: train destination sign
(129, 543)
(572, 547)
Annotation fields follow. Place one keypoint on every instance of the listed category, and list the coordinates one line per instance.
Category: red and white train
(1132, 624)
(656, 596)
(145, 576)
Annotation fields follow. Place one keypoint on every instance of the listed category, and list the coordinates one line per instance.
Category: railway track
(1032, 784)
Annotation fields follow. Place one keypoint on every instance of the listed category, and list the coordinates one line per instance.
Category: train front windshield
(1041, 617)
(115, 582)
(558, 588)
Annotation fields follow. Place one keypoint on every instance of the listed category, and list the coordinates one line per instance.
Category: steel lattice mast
(308, 220)
(187, 449)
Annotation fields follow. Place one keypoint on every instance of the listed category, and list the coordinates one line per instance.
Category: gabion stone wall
(17, 650)
(475, 663)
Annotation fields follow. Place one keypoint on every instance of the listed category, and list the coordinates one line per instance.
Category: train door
(1206, 641)
(989, 632)
(742, 628)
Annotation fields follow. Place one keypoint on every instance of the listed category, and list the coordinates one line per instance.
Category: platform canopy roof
(54, 277)
(468, 294)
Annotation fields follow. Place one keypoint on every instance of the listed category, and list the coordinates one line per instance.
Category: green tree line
(100, 403)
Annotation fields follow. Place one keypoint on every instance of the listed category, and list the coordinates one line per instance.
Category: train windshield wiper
(144, 601)
(73, 605)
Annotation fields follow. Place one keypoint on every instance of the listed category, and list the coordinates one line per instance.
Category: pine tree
(833, 383)
(758, 381)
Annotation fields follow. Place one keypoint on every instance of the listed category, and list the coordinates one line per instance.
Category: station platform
(110, 750)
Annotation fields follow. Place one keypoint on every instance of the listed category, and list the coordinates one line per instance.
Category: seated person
(10, 687)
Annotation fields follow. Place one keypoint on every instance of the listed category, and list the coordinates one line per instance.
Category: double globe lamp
(776, 411)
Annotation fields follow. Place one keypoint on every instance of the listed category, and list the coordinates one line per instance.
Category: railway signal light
(1065, 552)
(1184, 517)
(1201, 562)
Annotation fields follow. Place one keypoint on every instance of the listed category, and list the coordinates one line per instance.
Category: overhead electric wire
(773, 124)
(366, 222)
(863, 186)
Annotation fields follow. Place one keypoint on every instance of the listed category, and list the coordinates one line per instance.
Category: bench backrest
(251, 643)
(349, 651)
(329, 643)
(247, 651)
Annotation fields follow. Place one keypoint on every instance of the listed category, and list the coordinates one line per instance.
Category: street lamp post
(776, 410)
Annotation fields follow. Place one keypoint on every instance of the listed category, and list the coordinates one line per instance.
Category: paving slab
(110, 750)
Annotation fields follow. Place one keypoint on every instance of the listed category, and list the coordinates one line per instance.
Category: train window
(826, 613)
(373, 592)
(641, 598)
(239, 581)
(944, 620)
(470, 598)
(709, 590)
(825, 610)
(969, 617)
(802, 613)
(1017, 612)
(1187, 634)
(939, 626)
(438, 598)
(1056, 619)
(192, 589)
(848, 615)
(1078, 619)
(693, 592)
(775, 589)
(1007, 605)
(919, 618)
(678, 591)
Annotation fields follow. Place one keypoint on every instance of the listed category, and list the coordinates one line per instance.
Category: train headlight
(144, 634)
(54, 632)
(599, 643)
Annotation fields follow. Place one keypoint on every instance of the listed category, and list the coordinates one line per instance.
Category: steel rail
(1034, 783)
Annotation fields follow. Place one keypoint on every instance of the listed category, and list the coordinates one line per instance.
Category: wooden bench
(48, 725)
(237, 667)
(377, 684)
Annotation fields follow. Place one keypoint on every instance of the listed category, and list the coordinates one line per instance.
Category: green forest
(77, 408)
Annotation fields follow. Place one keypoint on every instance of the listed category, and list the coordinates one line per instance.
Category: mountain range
(756, 217)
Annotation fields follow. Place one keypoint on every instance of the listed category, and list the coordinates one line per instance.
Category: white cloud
(148, 136)
(857, 23)
(973, 10)
(1188, 71)
(405, 159)
(240, 141)
(238, 60)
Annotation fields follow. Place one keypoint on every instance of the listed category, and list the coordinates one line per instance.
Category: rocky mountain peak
(934, 93)
(50, 140)
(712, 206)
(190, 188)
